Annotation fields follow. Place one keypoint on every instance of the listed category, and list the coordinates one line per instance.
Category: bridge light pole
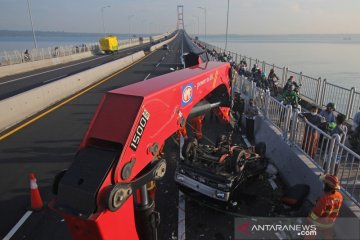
(32, 24)
(102, 18)
(129, 18)
(227, 25)
(204, 9)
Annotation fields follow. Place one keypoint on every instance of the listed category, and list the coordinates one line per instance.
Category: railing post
(288, 112)
(252, 89)
(323, 92)
(336, 156)
(350, 103)
(330, 154)
(267, 104)
(250, 63)
(318, 91)
(7, 58)
(294, 126)
(300, 82)
(42, 54)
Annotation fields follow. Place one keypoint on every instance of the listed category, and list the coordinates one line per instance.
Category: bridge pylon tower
(180, 17)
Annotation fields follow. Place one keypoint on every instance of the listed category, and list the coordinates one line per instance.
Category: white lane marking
(55, 78)
(157, 65)
(18, 225)
(36, 74)
(147, 76)
(75, 64)
(181, 217)
(162, 59)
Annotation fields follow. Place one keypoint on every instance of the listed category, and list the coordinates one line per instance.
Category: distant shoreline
(7, 33)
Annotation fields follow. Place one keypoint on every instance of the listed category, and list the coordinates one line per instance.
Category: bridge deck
(49, 144)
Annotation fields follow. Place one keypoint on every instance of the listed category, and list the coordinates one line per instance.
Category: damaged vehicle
(217, 170)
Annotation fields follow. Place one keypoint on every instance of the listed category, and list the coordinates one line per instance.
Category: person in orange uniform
(196, 124)
(327, 207)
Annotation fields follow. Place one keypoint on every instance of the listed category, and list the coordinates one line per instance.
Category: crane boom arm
(119, 151)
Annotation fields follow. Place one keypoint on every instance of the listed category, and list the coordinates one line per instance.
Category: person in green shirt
(290, 97)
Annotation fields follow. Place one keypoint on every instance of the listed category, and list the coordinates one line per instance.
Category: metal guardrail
(316, 90)
(328, 152)
(36, 54)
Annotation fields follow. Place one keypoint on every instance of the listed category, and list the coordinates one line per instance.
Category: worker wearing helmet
(327, 207)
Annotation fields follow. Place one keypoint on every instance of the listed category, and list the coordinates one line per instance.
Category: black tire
(189, 149)
(260, 149)
(235, 162)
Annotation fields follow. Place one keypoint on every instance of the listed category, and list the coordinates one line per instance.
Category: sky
(153, 16)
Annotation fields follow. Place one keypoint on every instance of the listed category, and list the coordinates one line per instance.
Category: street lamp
(204, 9)
(129, 18)
(198, 32)
(102, 18)
(32, 24)
(227, 25)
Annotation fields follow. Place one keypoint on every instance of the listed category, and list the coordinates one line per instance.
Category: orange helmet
(331, 181)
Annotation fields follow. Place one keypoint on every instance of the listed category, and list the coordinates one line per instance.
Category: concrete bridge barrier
(30, 66)
(19, 107)
(159, 45)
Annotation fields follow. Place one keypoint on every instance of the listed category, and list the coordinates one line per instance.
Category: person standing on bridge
(355, 133)
(341, 130)
(272, 82)
(290, 97)
(291, 82)
(238, 109)
(327, 207)
(311, 136)
(329, 115)
(250, 115)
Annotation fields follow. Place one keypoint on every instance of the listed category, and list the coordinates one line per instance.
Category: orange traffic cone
(36, 201)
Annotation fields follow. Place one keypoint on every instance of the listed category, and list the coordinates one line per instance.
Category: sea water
(334, 57)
